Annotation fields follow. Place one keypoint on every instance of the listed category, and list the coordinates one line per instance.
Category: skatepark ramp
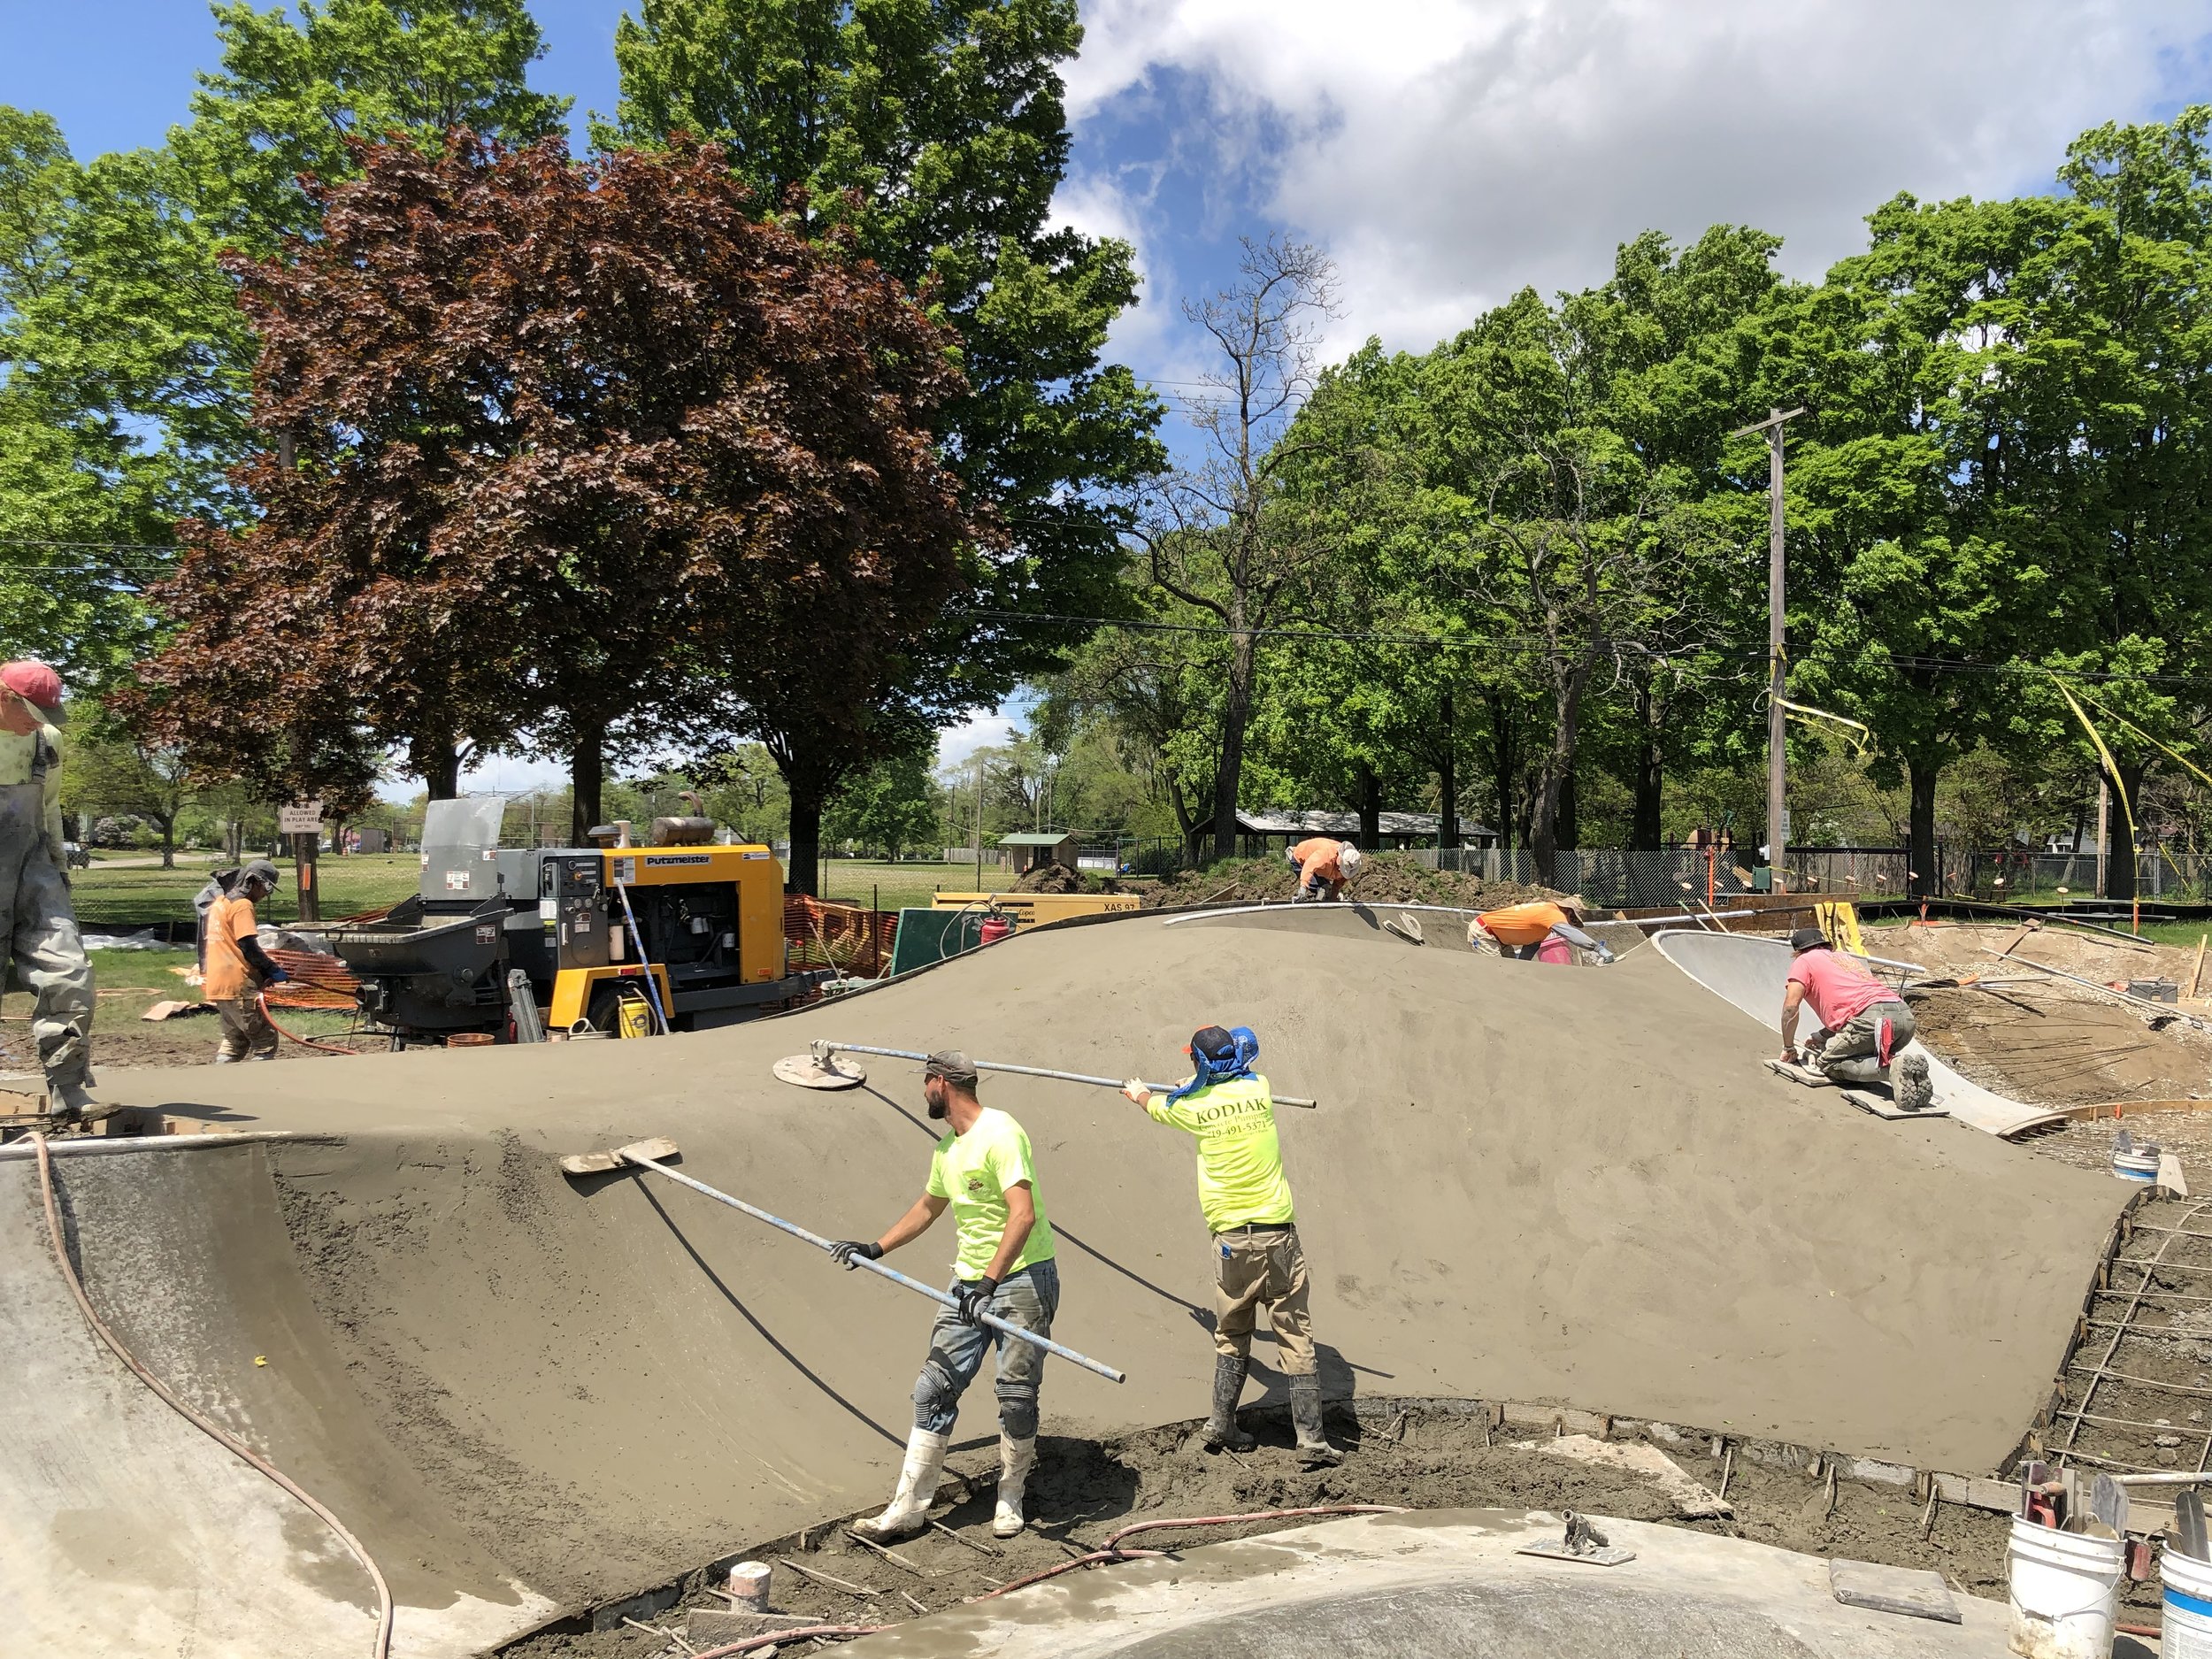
(1750, 972)
(529, 1395)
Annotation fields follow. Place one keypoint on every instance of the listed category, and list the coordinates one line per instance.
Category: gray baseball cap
(952, 1065)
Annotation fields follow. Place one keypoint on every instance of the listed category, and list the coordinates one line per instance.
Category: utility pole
(979, 820)
(1777, 797)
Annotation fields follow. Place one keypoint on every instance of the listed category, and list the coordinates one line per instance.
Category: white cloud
(1449, 151)
(957, 744)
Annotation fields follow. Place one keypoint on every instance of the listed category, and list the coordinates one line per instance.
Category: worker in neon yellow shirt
(984, 1172)
(1257, 1256)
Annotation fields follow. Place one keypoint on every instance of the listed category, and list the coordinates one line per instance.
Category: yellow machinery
(625, 939)
(1028, 909)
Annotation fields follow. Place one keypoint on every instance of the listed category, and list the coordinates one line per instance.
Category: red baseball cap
(33, 681)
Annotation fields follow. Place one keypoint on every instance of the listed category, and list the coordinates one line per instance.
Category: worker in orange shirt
(1527, 930)
(1325, 866)
(238, 970)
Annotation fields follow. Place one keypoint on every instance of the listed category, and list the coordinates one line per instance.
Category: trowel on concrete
(1583, 1543)
(821, 1067)
(618, 1157)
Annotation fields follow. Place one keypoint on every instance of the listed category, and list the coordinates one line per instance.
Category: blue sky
(1444, 152)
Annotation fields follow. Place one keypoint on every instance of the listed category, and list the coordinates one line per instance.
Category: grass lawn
(898, 887)
(145, 895)
(128, 982)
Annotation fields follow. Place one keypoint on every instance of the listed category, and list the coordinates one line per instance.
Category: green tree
(125, 361)
(931, 137)
(890, 806)
(106, 772)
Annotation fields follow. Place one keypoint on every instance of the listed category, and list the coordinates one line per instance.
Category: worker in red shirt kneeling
(1863, 1024)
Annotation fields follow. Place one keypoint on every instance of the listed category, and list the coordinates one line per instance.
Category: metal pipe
(891, 1273)
(1031, 1070)
(2141, 1004)
(652, 990)
(1883, 961)
(2170, 1477)
(96, 1145)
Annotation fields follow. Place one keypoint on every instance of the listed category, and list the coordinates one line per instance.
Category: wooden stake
(890, 1555)
(2196, 974)
(805, 1572)
(981, 1549)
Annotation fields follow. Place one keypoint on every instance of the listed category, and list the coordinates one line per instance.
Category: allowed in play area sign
(302, 818)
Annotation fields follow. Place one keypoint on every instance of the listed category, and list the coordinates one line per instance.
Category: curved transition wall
(1524, 1183)
(1750, 972)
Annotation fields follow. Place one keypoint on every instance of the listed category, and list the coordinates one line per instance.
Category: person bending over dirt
(1325, 867)
(1006, 1267)
(1257, 1256)
(1861, 1020)
(1536, 932)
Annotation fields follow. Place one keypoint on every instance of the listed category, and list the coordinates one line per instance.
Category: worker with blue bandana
(1226, 1107)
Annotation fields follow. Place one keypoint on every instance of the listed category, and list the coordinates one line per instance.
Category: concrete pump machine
(617, 940)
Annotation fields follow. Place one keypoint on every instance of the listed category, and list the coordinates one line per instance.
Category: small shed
(1028, 851)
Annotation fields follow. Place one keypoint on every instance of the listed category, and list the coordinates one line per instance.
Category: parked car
(77, 856)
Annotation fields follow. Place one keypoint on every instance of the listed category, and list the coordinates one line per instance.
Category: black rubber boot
(1314, 1450)
(1222, 1433)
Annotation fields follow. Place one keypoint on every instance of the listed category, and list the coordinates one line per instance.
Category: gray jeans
(38, 931)
(1028, 1298)
(1859, 1038)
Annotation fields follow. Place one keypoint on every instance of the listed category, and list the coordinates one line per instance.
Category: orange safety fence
(850, 938)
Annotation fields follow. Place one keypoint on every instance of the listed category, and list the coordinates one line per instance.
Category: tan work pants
(1261, 1264)
(247, 1032)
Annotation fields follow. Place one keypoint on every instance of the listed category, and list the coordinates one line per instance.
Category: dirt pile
(2044, 1040)
(1383, 879)
(1083, 1490)
(1060, 879)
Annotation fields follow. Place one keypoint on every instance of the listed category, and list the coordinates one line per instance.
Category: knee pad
(1018, 1413)
(936, 1391)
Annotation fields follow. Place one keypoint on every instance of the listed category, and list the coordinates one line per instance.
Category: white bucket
(2136, 1166)
(2188, 1626)
(2065, 1592)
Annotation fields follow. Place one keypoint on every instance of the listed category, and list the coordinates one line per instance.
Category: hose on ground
(1111, 1549)
(222, 1437)
(305, 1042)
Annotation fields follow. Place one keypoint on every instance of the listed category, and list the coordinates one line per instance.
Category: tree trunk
(1553, 789)
(436, 760)
(169, 843)
(1570, 827)
(1370, 809)
(808, 798)
(587, 779)
(1502, 749)
(1447, 778)
(1236, 711)
(1920, 847)
(2119, 866)
(1646, 833)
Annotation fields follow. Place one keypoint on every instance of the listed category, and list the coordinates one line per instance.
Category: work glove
(276, 976)
(974, 1298)
(1605, 954)
(844, 1251)
(1138, 1091)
